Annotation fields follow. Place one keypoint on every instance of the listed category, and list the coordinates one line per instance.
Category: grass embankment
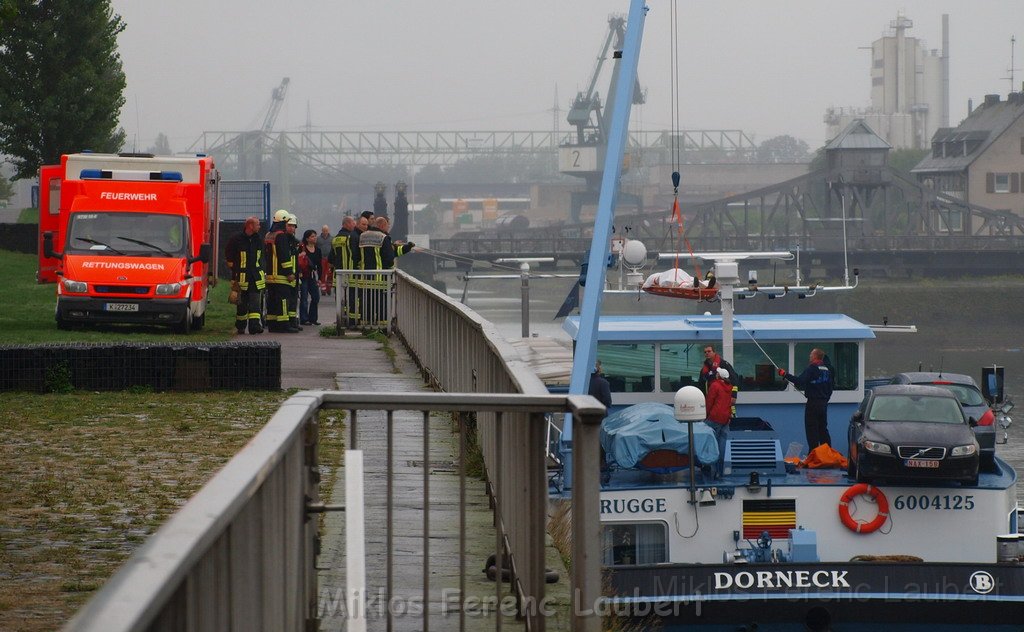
(27, 316)
(85, 476)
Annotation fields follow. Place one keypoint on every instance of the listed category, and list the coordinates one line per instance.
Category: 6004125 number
(942, 502)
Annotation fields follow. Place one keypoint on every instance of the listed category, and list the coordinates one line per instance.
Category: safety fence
(365, 300)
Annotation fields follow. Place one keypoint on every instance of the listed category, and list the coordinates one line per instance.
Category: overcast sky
(766, 67)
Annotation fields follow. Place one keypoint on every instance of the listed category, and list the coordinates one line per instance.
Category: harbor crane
(585, 157)
(252, 143)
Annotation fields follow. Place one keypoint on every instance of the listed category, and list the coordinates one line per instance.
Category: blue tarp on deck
(632, 433)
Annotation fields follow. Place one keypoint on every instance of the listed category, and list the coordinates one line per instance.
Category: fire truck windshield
(127, 234)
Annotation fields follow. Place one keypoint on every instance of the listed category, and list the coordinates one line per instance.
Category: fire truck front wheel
(185, 325)
(61, 322)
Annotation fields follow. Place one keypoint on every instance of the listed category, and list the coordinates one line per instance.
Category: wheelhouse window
(844, 357)
(757, 373)
(625, 544)
(629, 368)
(680, 365)
(127, 234)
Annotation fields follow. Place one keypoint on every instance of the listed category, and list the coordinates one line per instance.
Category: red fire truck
(129, 238)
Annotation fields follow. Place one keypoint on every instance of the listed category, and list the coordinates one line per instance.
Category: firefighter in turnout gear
(243, 253)
(342, 259)
(293, 297)
(277, 254)
(378, 253)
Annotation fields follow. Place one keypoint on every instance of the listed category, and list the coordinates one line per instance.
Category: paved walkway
(356, 363)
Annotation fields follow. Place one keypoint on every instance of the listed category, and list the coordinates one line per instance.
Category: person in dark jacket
(280, 268)
(343, 258)
(378, 252)
(243, 254)
(312, 267)
(599, 388)
(709, 373)
(817, 382)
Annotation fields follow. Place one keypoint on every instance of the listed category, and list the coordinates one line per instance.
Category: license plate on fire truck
(122, 307)
(921, 463)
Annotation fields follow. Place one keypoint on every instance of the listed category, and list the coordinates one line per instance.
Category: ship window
(680, 365)
(843, 355)
(757, 372)
(628, 368)
(625, 544)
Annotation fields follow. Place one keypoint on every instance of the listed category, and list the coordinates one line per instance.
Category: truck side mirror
(48, 247)
(205, 253)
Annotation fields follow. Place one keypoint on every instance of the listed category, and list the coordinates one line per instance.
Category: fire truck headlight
(166, 289)
(77, 287)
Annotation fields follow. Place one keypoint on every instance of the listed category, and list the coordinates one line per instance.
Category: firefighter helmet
(281, 215)
(293, 220)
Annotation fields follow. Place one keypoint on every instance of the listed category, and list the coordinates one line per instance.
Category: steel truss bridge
(893, 227)
(341, 148)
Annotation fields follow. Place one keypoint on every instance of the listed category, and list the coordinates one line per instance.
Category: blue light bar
(166, 176)
(94, 174)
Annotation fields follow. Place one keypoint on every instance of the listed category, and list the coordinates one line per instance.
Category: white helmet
(722, 373)
(281, 215)
(293, 220)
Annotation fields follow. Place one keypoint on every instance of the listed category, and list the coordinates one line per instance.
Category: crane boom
(276, 101)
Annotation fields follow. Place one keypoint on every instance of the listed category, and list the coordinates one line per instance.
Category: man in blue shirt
(816, 382)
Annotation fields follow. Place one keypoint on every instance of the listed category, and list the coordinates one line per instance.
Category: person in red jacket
(719, 401)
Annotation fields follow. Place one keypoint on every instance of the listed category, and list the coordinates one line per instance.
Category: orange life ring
(855, 525)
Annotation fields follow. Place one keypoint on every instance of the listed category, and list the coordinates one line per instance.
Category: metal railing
(517, 477)
(240, 554)
(364, 299)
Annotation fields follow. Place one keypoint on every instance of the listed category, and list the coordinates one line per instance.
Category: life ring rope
(875, 494)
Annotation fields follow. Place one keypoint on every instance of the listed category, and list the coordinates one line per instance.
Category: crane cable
(676, 141)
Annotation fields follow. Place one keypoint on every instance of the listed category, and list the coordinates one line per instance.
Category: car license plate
(122, 307)
(921, 463)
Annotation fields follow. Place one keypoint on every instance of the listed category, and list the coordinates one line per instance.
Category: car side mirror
(972, 422)
(205, 252)
(858, 417)
(48, 247)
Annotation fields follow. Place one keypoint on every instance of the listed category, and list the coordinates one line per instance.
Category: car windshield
(126, 234)
(915, 408)
(968, 395)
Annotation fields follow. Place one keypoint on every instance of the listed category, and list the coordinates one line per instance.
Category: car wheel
(61, 323)
(857, 476)
(971, 482)
(199, 322)
(850, 468)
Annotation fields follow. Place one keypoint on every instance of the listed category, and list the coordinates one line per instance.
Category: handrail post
(586, 522)
(524, 273)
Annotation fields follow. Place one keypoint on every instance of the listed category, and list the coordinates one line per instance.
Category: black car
(903, 433)
(971, 400)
